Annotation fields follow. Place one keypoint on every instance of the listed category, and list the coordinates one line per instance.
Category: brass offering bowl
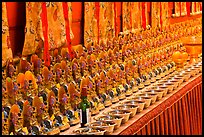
(196, 71)
(107, 125)
(160, 93)
(90, 131)
(116, 118)
(94, 111)
(185, 75)
(193, 47)
(122, 96)
(108, 103)
(124, 113)
(193, 73)
(132, 108)
(64, 127)
(162, 75)
(175, 82)
(141, 99)
(54, 131)
(177, 78)
(133, 102)
(128, 92)
(160, 87)
(199, 68)
(147, 82)
(152, 96)
(141, 86)
(134, 89)
(101, 106)
(115, 99)
(153, 80)
(171, 86)
(158, 77)
(74, 121)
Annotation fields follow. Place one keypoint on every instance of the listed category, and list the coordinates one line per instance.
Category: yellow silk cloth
(132, 15)
(56, 26)
(6, 50)
(90, 23)
(155, 14)
(165, 14)
(183, 8)
(33, 30)
(198, 7)
(126, 14)
(136, 15)
(106, 22)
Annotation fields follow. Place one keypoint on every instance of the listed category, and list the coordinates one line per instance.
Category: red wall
(16, 19)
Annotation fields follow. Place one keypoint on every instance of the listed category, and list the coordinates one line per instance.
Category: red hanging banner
(143, 16)
(188, 8)
(45, 34)
(160, 16)
(115, 17)
(97, 16)
(66, 17)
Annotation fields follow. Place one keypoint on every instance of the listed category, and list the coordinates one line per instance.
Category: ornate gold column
(6, 50)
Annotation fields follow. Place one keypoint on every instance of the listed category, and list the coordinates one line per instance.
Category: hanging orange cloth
(33, 30)
(90, 23)
(160, 16)
(97, 16)
(130, 16)
(143, 16)
(115, 18)
(6, 50)
(66, 16)
(45, 33)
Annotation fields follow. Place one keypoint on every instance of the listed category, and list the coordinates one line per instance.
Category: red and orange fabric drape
(99, 20)
(36, 24)
(6, 49)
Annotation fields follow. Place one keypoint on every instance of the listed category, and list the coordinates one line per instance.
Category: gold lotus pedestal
(193, 47)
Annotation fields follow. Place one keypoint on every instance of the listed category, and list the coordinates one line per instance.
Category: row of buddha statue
(37, 99)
